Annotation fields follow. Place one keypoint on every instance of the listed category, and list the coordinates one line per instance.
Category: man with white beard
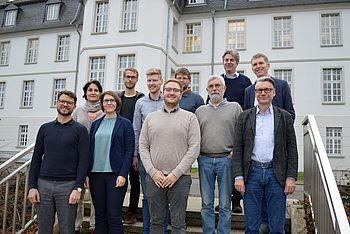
(217, 121)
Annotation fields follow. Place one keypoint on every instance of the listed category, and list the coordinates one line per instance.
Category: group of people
(155, 138)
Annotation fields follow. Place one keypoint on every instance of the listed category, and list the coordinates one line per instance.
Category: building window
(97, 69)
(23, 136)
(32, 50)
(58, 85)
(63, 48)
(195, 82)
(332, 84)
(129, 15)
(191, 2)
(334, 141)
(330, 29)
(175, 33)
(282, 33)
(286, 75)
(2, 94)
(4, 52)
(10, 18)
(53, 11)
(124, 61)
(193, 37)
(236, 34)
(101, 17)
(28, 93)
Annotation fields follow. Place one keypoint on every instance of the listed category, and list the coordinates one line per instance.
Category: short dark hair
(266, 78)
(69, 94)
(183, 71)
(172, 80)
(260, 55)
(114, 95)
(233, 53)
(134, 70)
(86, 86)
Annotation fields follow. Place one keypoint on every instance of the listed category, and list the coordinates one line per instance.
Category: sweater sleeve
(137, 124)
(193, 139)
(36, 159)
(83, 155)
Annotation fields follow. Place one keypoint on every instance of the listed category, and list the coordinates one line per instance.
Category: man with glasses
(59, 167)
(169, 144)
(190, 101)
(217, 120)
(265, 159)
(282, 99)
(129, 97)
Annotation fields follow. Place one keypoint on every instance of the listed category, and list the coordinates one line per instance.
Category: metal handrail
(320, 184)
(19, 220)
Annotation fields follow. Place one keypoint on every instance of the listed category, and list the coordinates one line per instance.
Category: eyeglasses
(130, 77)
(267, 90)
(109, 101)
(175, 90)
(63, 102)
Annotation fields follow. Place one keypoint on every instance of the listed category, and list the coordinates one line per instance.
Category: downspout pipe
(167, 41)
(212, 41)
(77, 25)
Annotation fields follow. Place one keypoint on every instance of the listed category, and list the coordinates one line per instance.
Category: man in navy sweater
(59, 167)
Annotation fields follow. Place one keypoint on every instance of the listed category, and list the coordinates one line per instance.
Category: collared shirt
(224, 101)
(143, 107)
(235, 75)
(264, 136)
(172, 111)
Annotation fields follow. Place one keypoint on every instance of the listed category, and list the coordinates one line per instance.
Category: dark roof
(31, 15)
(219, 5)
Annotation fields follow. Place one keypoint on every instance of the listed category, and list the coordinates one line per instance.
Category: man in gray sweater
(217, 122)
(169, 144)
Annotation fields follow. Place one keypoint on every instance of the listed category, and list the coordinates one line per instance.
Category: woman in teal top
(112, 146)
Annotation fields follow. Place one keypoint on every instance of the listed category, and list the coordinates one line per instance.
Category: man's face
(172, 93)
(230, 64)
(216, 90)
(184, 80)
(154, 82)
(260, 67)
(130, 79)
(65, 105)
(264, 92)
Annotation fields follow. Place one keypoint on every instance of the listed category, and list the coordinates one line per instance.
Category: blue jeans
(108, 202)
(263, 187)
(145, 209)
(210, 169)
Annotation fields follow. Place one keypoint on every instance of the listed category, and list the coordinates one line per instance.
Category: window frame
(32, 53)
(195, 2)
(130, 62)
(234, 35)
(98, 73)
(56, 88)
(291, 83)
(53, 11)
(2, 94)
(102, 22)
(331, 82)
(27, 94)
(322, 44)
(23, 130)
(63, 48)
(195, 82)
(129, 16)
(4, 52)
(194, 48)
(10, 18)
(334, 143)
(282, 30)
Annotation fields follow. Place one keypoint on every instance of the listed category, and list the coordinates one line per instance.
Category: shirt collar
(70, 122)
(172, 111)
(186, 92)
(269, 110)
(235, 75)
(159, 98)
(224, 101)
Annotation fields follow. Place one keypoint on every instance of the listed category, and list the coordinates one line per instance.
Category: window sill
(192, 52)
(333, 103)
(127, 30)
(61, 61)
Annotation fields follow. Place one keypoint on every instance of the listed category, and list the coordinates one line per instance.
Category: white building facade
(307, 42)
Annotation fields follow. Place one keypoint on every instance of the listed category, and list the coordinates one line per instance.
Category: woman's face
(109, 104)
(92, 93)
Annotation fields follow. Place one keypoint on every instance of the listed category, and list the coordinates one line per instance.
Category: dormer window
(10, 18)
(52, 10)
(193, 2)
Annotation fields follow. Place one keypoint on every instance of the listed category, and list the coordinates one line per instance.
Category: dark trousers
(108, 202)
(236, 197)
(134, 190)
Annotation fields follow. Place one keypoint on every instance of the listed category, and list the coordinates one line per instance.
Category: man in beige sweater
(169, 144)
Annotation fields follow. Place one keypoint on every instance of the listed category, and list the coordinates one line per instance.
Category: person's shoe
(237, 208)
(130, 219)
(216, 208)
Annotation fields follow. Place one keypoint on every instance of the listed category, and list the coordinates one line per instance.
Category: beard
(67, 113)
(216, 97)
(130, 86)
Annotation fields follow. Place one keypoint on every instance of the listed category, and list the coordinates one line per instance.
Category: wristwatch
(78, 189)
